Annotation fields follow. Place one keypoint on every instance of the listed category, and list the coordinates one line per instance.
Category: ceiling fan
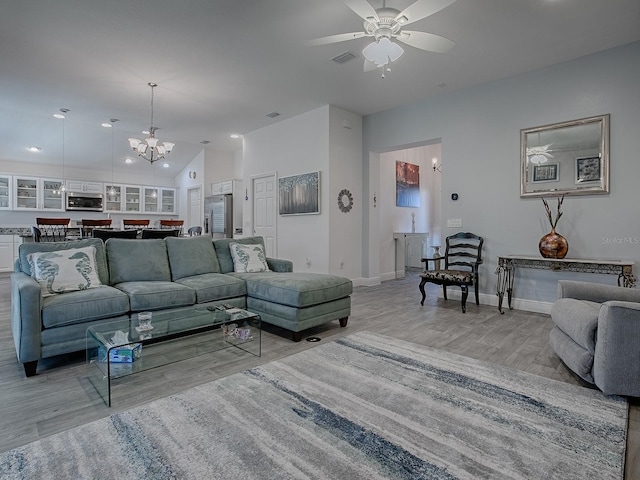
(386, 24)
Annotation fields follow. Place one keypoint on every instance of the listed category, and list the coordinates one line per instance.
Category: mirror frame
(603, 184)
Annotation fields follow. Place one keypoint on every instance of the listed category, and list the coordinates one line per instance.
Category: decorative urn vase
(553, 245)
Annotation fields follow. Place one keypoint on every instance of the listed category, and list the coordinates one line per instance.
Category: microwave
(91, 202)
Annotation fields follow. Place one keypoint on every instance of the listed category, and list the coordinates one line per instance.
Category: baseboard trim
(366, 282)
(524, 304)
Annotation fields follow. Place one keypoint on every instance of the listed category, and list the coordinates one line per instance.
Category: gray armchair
(596, 334)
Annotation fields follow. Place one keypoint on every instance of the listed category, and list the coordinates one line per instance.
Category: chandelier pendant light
(151, 150)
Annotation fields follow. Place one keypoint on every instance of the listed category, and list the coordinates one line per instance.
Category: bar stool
(87, 225)
(172, 224)
(50, 229)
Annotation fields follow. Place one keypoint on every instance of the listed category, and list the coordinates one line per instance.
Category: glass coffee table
(120, 348)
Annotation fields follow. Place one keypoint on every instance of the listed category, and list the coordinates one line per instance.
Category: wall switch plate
(454, 223)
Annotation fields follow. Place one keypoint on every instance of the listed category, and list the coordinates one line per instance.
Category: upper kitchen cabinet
(32, 193)
(113, 198)
(6, 187)
(132, 198)
(160, 200)
(83, 186)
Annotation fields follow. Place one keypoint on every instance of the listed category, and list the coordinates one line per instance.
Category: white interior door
(194, 213)
(264, 211)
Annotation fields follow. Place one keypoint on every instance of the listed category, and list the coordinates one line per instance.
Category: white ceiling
(222, 65)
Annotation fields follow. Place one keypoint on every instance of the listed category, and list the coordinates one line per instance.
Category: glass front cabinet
(6, 187)
(159, 200)
(132, 198)
(32, 193)
(112, 198)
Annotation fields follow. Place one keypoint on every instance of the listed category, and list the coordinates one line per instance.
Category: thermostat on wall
(454, 196)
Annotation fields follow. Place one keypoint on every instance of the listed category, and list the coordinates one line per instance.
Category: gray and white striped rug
(363, 407)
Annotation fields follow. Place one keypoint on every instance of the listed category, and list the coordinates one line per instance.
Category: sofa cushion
(210, 287)
(25, 249)
(83, 306)
(578, 319)
(296, 289)
(65, 270)
(224, 253)
(137, 260)
(157, 295)
(248, 258)
(190, 256)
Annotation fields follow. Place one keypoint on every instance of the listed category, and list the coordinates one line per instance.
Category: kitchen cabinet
(161, 200)
(132, 198)
(226, 186)
(84, 186)
(8, 252)
(112, 198)
(33, 193)
(6, 188)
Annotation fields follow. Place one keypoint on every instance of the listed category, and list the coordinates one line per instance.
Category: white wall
(313, 141)
(479, 129)
(185, 182)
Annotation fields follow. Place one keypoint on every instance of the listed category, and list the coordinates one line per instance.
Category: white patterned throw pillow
(63, 271)
(248, 258)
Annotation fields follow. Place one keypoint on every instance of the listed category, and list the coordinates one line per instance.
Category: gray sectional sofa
(173, 273)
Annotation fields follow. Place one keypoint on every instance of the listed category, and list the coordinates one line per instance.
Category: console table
(508, 263)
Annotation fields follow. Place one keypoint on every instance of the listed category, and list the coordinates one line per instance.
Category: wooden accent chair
(462, 257)
(50, 229)
(88, 225)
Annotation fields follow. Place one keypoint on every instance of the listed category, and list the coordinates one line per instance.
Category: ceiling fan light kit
(150, 150)
(385, 25)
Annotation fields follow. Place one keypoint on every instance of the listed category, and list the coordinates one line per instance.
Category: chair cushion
(191, 256)
(210, 287)
(578, 319)
(577, 358)
(137, 260)
(157, 295)
(83, 306)
(449, 276)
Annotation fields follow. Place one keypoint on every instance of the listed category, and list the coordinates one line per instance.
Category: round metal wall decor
(345, 200)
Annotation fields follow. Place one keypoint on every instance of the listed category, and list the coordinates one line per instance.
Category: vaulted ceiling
(223, 65)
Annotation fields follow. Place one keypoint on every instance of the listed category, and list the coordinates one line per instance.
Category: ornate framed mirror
(570, 158)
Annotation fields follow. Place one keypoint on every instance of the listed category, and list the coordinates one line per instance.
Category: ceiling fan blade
(369, 66)
(341, 37)
(425, 41)
(362, 8)
(421, 9)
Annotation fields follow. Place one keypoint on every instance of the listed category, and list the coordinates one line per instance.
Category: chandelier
(151, 150)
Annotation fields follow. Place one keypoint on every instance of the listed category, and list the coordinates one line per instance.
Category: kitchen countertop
(21, 231)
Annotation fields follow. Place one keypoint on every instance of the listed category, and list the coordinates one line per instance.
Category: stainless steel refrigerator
(218, 216)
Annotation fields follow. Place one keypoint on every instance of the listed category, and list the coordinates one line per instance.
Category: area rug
(363, 407)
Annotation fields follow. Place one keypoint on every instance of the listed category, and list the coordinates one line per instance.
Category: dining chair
(172, 224)
(162, 233)
(87, 225)
(52, 229)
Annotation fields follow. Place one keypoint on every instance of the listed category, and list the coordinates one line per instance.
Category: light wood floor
(60, 397)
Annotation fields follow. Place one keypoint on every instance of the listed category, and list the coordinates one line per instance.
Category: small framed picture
(547, 172)
(588, 170)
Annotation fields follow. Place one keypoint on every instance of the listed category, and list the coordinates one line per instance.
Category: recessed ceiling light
(205, 142)
(35, 149)
(59, 115)
(107, 125)
(128, 160)
(165, 165)
(145, 132)
(235, 135)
